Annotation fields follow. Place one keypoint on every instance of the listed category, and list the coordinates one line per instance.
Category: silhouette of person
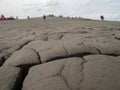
(44, 17)
(28, 17)
(102, 17)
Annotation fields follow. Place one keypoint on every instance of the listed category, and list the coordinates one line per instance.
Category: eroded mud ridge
(59, 54)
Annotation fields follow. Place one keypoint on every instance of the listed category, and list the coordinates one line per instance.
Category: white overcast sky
(80, 8)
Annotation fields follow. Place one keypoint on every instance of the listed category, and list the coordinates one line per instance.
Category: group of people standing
(2, 17)
(44, 17)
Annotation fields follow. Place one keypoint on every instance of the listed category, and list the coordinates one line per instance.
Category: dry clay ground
(59, 54)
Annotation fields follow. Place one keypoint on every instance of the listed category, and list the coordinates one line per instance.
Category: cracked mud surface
(59, 54)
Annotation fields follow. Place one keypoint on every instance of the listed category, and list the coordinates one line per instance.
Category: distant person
(44, 17)
(28, 17)
(2, 17)
(102, 17)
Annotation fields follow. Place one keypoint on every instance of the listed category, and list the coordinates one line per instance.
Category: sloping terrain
(59, 54)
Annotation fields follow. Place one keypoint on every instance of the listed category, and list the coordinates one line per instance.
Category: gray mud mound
(10, 78)
(64, 74)
(101, 73)
(23, 57)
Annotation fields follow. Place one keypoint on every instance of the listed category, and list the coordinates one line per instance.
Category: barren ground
(59, 54)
